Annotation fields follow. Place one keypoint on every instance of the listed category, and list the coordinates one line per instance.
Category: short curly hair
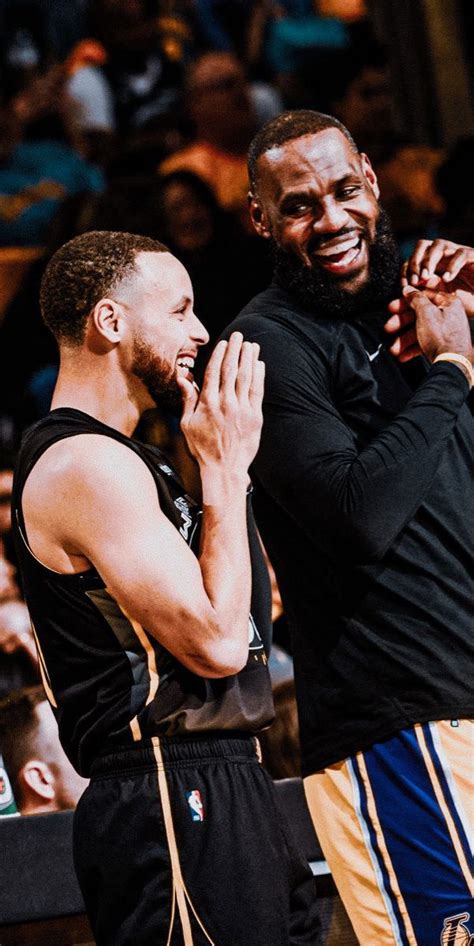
(287, 127)
(83, 271)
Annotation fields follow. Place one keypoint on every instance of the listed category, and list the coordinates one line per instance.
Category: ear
(370, 175)
(108, 320)
(257, 216)
(37, 781)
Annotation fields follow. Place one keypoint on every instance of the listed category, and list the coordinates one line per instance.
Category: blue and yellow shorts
(395, 823)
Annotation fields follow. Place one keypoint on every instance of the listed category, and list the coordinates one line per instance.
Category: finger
(404, 342)
(409, 353)
(399, 320)
(245, 369)
(455, 264)
(415, 262)
(400, 305)
(190, 395)
(230, 365)
(396, 305)
(258, 384)
(257, 381)
(435, 259)
(212, 374)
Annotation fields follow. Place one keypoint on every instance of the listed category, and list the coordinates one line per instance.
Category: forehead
(309, 161)
(161, 274)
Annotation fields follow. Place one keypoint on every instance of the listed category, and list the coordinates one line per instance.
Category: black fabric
(94, 664)
(239, 864)
(364, 498)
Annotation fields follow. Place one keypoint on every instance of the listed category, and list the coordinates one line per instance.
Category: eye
(181, 312)
(298, 209)
(350, 191)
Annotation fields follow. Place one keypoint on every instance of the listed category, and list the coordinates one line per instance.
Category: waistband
(176, 751)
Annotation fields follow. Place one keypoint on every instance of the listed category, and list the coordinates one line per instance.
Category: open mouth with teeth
(342, 256)
(185, 366)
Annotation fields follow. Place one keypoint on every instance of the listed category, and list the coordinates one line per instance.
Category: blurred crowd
(136, 115)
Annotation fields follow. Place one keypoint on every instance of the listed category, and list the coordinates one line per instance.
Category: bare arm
(105, 509)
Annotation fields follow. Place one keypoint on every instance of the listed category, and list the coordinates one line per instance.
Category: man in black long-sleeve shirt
(364, 497)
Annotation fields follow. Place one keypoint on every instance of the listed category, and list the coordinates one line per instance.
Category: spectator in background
(141, 73)
(6, 483)
(181, 209)
(215, 250)
(8, 585)
(224, 24)
(42, 778)
(361, 98)
(41, 166)
(18, 657)
(225, 110)
(303, 50)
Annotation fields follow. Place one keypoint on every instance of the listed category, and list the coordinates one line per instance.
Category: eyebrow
(183, 301)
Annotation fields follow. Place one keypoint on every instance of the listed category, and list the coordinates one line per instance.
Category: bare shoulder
(84, 490)
(83, 465)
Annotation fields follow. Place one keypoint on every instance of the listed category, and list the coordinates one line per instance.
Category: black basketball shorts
(181, 844)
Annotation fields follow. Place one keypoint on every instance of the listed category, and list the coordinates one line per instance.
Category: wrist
(221, 486)
(460, 361)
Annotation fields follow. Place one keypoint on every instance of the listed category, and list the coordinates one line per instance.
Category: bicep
(115, 520)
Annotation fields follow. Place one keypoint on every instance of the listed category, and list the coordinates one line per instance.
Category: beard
(158, 376)
(318, 290)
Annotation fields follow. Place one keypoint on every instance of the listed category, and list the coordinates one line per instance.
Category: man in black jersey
(364, 498)
(151, 612)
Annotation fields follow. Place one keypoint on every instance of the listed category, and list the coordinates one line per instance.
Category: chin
(354, 283)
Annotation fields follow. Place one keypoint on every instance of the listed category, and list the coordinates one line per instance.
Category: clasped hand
(431, 317)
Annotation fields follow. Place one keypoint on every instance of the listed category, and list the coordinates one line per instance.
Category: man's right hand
(222, 424)
(431, 323)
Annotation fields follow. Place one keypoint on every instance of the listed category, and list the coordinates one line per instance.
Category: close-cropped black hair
(83, 271)
(287, 127)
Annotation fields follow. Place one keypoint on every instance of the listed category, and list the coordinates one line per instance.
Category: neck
(99, 388)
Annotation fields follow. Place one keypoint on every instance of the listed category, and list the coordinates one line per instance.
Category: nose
(198, 333)
(333, 217)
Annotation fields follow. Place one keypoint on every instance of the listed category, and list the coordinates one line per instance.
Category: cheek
(294, 236)
(369, 211)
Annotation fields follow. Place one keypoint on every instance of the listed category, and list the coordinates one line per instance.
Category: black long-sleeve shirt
(364, 498)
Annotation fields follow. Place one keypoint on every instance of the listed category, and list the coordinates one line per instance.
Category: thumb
(190, 395)
(419, 301)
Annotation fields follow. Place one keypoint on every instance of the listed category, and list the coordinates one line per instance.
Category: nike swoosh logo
(372, 356)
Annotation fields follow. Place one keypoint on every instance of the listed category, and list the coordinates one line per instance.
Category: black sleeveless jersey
(110, 682)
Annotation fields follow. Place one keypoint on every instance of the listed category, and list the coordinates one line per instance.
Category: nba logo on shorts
(195, 804)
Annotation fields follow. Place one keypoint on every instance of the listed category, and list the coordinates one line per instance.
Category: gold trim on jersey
(45, 678)
(151, 663)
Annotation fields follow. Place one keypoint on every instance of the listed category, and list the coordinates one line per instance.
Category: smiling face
(164, 334)
(317, 198)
